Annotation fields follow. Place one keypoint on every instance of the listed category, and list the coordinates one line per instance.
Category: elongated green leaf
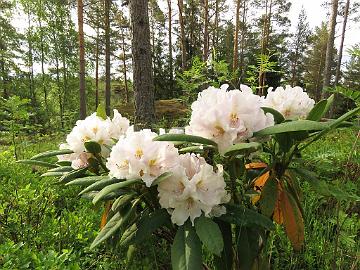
(53, 174)
(248, 246)
(72, 175)
(184, 138)
(186, 249)
(242, 148)
(89, 180)
(225, 261)
(268, 197)
(62, 169)
(209, 234)
(63, 163)
(299, 125)
(149, 224)
(318, 111)
(98, 185)
(52, 153)
(278, 117)
(113, 187)
(111, 227)
(92, 147)
(122, 201)
(161, 178)
(332, 125)
(330, 101)
(195, 149)
(239, 215)
(128, 236)
(37, 163)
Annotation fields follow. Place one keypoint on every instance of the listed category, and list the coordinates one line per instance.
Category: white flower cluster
(194, 188)
(292, 102)
(93, 128)
(227, 117)
(136, 155)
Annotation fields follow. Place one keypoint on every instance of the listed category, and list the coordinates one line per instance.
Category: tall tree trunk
(142, 73)
(216, 25)
(170, 43)
(97, 69)
(206, 30)
(124, 67)
(330, 45)
(182, 34)
(242, 42)
(107, 57)
(338, 66)
(236, 35)
(42, 59)
(80, 10)
(3, 77)
(30, 63)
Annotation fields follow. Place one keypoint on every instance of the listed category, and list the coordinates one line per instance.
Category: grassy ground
(46, 226)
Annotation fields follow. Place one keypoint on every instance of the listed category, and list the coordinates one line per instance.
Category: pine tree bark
(341, 48)
(206, 30)
(107, 57)
(170, 46)
(242, 42)
(182, 34)
(216, 25)
(236, 35)
(125, 67)
(97, 70)
(80, 9)
(142, 72)
(330, 45)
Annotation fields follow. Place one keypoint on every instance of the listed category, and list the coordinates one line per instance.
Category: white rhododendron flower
(136, 155)
(292, 102)
(227, 117)
(93, 128)
(118, 125)
(194, 188)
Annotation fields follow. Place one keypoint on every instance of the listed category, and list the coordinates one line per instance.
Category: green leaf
(149, 224)
(72, 175)
(186, 249)
(98, 185)
(92, 147)
(268, 197)
(242, 148)
(89, 180)
(111, 227)
(299, 125)
(113, 187)
(278, 117)
(62, 169)
(318, 111)
(53, 174)
(248, 247)
(37, 163)
(63, 163)
(332, 125)
(225, 262)
(196, 148)
(122, 201)
(242, 216)
(209, 234)
(100, 111)
(184, 138)
(52, 153)
(161, 178)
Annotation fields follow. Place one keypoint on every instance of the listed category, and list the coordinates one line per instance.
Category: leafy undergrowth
(336, 160)
(47, 226)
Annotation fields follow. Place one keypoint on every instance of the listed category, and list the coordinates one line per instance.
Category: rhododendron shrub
(222, 182)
